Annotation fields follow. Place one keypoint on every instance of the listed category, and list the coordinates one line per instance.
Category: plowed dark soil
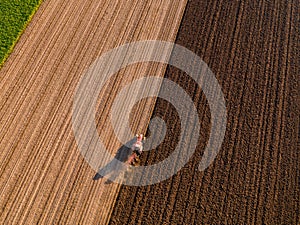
(253, 49)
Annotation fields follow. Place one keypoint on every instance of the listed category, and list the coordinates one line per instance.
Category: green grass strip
(14, 17)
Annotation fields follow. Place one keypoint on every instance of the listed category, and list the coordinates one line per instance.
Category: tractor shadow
(113, 169)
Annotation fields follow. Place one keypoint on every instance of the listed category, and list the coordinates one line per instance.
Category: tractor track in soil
(253, 49)
(43, 177)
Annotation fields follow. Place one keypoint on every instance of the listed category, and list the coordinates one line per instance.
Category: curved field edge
(14, 17)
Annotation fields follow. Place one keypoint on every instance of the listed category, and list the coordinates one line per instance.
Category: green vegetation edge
(15, 15)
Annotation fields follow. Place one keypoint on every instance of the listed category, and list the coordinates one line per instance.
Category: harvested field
(43, 177)
(253, 49)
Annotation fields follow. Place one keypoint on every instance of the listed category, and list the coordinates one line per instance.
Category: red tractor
(137, 149)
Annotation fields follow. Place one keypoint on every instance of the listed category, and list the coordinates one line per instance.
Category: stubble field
(253, 49)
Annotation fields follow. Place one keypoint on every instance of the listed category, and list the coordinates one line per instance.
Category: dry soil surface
(43, 177)
(253, 49)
